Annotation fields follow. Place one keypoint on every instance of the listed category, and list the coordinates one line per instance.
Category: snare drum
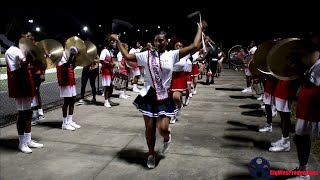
(119, 81)
(258, 86)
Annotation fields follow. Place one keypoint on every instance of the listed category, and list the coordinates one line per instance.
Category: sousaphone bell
(28, 47)
(53, 51)
(288, 58)
(81, 59)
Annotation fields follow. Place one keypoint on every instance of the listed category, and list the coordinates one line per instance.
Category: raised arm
(196, 45)
(122, 49)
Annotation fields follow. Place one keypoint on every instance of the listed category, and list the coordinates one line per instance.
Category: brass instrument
(29, 48)
(53, 51)
(286, 59)
(260, 56)
(92, 54)
(81, 59)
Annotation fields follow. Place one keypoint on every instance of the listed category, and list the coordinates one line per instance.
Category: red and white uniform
(66, 79)
(269, 88)
(283, 95)
(195, 67)
(308, 107)
(187, 71)
(135, 71)
(124, 69)
(107, 69)
(20, 80)
(179, 81)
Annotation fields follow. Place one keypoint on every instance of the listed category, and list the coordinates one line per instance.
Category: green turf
(50, 77)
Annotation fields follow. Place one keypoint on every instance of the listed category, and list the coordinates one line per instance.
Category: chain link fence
(49, 91)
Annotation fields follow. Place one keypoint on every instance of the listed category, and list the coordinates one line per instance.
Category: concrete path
(214, 139)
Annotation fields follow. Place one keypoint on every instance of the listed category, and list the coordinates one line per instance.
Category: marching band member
(188, 71)
(66, 81)
(179, 81)
(268, 99)
(124, 70)
(284, 93)
(308, 114)
(135, 71)
(21, 88)
(106, 59)
(248, 74)
(155, 100)
(201, 64)
(38, 72)
(221, 57)
(199, 56)
(89, 72)
(212, 61)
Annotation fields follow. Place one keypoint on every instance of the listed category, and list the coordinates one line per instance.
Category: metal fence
(49, 91)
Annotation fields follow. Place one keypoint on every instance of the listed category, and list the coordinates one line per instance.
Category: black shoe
(93, 101)
(211, 82)
(113, 103)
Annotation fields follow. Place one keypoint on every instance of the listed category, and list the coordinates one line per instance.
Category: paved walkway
(215, 139)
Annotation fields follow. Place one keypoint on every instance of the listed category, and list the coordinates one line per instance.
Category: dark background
(230, 22)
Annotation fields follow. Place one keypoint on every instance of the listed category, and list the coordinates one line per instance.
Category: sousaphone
(81, 59)
(288, 58)
(29, 48)
(53, 51)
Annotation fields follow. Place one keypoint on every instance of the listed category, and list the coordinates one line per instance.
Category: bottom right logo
(259, 168)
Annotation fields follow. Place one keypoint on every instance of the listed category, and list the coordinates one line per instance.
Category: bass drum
(236, 55)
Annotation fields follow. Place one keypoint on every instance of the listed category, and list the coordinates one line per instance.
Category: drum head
(236, 55)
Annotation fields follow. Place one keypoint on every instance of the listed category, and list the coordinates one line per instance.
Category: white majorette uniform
(135, 71)
(66, 79)
(154, 98)
(106, 69)
(20, 80)
(179, 81)
(308, 107)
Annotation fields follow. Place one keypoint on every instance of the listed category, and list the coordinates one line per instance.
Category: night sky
(229, 23)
